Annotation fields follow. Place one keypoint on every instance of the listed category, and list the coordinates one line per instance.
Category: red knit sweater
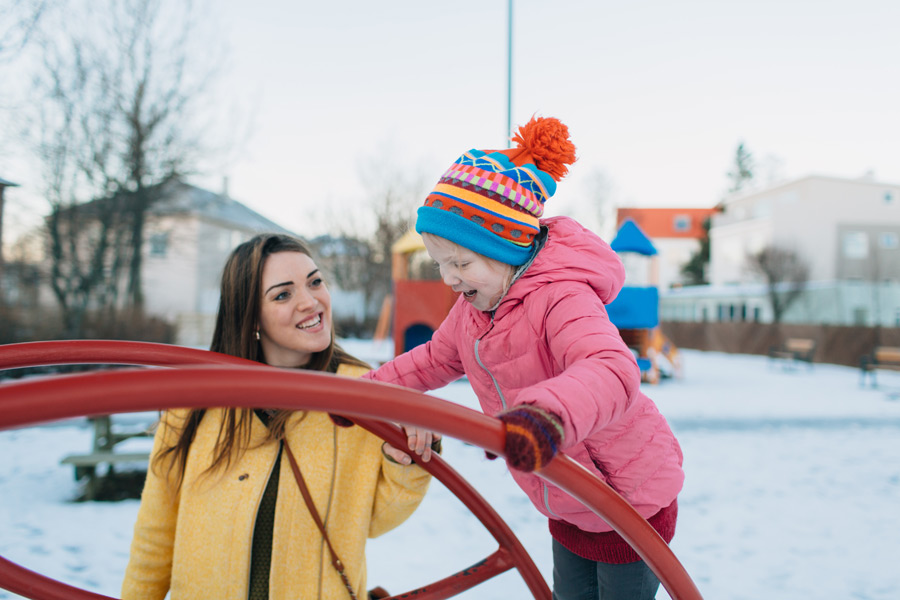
(609, 547)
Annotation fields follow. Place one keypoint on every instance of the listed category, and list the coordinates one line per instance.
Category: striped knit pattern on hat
(490, 201)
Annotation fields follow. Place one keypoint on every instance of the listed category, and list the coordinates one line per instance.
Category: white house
(189, 235)
(846, 230)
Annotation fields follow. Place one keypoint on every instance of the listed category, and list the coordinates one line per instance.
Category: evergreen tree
(742, 172)
(694, 270)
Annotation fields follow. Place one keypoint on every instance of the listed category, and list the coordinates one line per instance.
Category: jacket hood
(575, 254)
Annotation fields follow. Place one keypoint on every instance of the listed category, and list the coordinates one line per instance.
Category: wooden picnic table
(103, 453)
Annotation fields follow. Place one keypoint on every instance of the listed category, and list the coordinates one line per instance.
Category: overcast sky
(657, 94)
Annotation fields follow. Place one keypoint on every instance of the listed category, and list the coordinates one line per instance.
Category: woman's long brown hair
(236, 323)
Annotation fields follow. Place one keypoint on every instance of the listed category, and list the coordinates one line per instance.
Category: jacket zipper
(486, 370)
(543, 487)
(546, 495)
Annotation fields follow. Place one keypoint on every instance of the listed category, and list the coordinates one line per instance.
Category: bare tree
(601, 194)
(785, 274)
(124, 91)
(394, 194)
(19, 22)
(78, 243)
(358, 254)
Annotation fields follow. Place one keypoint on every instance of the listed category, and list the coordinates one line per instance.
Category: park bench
(103, 453)
(882, 357)
(794, 350)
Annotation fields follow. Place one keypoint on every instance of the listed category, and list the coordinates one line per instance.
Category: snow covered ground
(792, 491)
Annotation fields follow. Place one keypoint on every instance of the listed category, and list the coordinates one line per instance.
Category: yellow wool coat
(197, 543)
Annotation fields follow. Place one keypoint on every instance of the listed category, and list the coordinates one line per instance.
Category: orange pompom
(547, 140)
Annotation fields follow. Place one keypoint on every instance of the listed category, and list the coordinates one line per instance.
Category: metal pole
(509, 55)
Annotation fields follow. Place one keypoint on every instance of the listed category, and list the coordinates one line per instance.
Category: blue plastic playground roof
(630, 238)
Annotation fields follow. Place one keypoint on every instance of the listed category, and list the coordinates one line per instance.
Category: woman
(221, 513)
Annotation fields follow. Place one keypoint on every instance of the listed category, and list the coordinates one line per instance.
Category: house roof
(668, 222)
(179, 198)
(8, 183)
(630, 238)
(868, 180)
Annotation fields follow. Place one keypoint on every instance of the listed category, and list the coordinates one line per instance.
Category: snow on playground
(792, 491)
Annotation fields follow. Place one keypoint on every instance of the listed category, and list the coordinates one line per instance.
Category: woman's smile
(310, 323)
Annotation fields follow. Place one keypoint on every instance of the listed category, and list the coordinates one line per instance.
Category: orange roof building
(676, 234)
(667, 223)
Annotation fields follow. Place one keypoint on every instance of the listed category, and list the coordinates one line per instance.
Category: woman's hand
(421, 441)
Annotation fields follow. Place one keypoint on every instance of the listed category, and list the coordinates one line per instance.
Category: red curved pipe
(214, 386)
(511, 553)
(110, 352)
(29, 584)
(56, 398)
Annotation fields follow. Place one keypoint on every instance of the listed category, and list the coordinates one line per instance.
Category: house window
(889, 240)
(682, 223)
(888, 197)
(860, 316)
(757, 314)
(159, 243)
(856, 244)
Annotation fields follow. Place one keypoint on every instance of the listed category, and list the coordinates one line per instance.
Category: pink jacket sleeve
(426, 367)
(598, 375)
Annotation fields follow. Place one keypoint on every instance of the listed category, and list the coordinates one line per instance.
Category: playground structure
(417, 305)
(635, 311)
(201, 379)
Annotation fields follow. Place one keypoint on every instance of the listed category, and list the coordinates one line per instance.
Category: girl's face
(481, 280)
(295, 310)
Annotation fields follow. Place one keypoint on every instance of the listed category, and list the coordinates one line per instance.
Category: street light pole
(509, 55)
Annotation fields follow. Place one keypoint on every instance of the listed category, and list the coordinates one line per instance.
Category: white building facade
(846, 230)
(188, 236)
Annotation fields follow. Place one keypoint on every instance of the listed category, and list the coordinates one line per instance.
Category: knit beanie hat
(489, 201)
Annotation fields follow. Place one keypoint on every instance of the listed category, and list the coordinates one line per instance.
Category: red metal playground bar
(204, 379)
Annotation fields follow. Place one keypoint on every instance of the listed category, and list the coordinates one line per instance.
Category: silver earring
(257, 335)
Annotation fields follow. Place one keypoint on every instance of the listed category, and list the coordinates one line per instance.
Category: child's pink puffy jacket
(551, 344)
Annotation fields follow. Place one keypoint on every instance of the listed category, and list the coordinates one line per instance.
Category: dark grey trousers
(576, 578)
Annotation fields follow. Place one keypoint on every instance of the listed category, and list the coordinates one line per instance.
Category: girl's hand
(420, 441)
(533, 437)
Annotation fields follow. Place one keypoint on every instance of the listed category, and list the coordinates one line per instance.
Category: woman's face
(481, 280)
(295, 310)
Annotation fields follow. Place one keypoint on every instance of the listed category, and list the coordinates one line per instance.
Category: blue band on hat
(470, 235)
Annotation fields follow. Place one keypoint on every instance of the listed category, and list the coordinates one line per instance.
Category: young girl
(531, 333)
(222, 515)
